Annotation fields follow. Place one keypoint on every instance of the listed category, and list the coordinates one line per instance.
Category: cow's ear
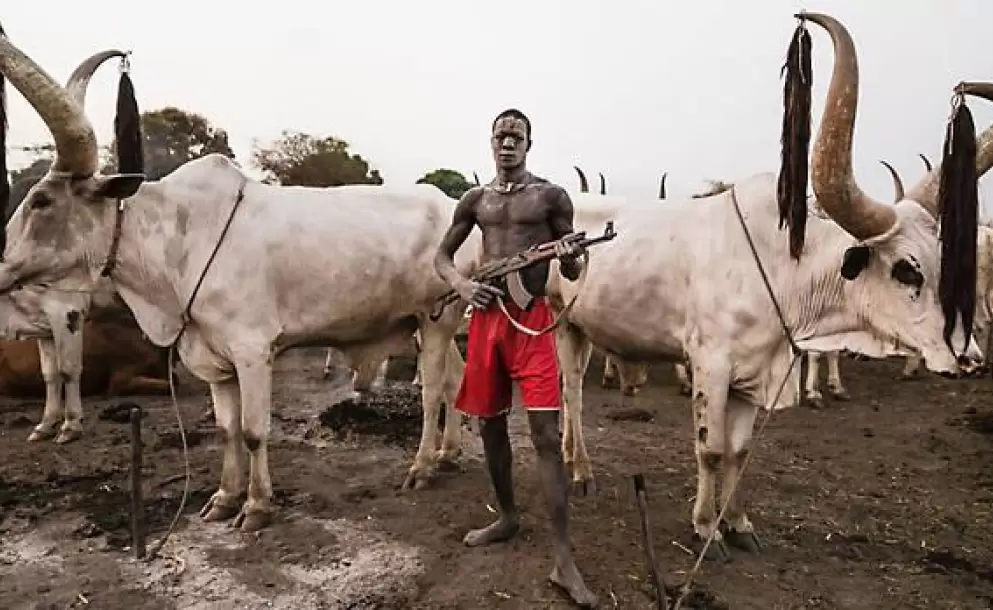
(855, 261)
(118, 186)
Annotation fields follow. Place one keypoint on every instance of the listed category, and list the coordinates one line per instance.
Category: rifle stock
(496, 269)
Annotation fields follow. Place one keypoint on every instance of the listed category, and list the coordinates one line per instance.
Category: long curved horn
(925, 192)
(79, 80)
(927, 162)
(584, 186)
(833, 180)
(476, 178)
(603, 185)
(75, 142)
(662, 186)
(897, 182)
(984, 144)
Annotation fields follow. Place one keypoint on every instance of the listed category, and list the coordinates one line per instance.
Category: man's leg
(499, 461)
(545, 437)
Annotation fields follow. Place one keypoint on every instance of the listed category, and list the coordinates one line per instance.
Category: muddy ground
(882, 502)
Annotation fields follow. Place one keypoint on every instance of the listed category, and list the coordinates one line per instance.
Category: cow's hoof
(745, 541)
(815, 401)
(68, 436)
(40, 435)
(717, 551)
(253, 520)
(609, 383)
(841, 395)
(583, 488)
(418, 478)
(685, 390)
(213, 510)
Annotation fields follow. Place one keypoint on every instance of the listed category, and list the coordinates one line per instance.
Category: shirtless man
(515, 211)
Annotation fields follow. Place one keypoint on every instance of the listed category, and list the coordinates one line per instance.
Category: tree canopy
(301, 159)
(451, 182)
(172, 136)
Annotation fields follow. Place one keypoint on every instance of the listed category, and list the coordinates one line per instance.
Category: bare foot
(567, 577)
(498, 531)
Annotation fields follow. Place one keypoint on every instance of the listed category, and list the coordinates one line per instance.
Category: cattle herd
(231, 272)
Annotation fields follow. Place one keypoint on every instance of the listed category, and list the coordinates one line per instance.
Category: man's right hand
(478, 294)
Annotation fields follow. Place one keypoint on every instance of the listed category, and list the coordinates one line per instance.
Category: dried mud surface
(882, 502)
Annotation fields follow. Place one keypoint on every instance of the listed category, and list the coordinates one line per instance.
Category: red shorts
(497, 354)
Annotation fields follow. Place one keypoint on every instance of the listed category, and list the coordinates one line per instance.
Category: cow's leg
(834, 385)
(685, 384)
(417, 350)
(574, 351)
(811, 393)
(328, 363)
(227, 500)
(380, 379)
(633, 376)
(255, 383)
(53, 412)
(451, 440)
(738, 531)
(610, 373)
(435, 340)
(711, 380)
(911, 366)
(368, 375)
(69, 354)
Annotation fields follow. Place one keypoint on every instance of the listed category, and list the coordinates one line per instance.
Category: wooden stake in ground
(661, 602)
(137, 504)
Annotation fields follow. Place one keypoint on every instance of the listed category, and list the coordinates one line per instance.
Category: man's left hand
(568, 252)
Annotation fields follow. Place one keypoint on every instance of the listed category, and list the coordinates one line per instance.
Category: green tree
(299, 159)
(172, 137)
(451, 182)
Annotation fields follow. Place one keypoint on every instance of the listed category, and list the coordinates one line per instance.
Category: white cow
(60, 337)
(617, 372)
(380, 376)
(681, 281)
(349, 267)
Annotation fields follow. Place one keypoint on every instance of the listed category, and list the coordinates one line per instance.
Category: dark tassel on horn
(584, 186)
(662, 186)
(603, 185)
(4, 177)
(127, 127)
(958, 205)
(793, 173)
(475, 177)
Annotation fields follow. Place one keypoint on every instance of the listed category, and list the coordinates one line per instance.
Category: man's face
(510, 142)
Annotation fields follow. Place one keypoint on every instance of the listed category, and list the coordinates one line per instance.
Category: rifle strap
(580, 281)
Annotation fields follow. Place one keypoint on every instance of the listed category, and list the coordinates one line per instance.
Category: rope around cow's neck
(797, 355)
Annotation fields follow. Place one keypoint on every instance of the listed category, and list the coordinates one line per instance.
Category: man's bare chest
(525, 207)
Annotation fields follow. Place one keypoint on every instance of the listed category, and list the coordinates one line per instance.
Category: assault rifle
(492, 271)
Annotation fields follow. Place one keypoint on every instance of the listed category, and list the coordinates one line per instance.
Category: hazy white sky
(629, 88)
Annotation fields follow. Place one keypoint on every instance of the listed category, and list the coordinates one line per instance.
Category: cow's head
(892, 270)
(62, 230)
